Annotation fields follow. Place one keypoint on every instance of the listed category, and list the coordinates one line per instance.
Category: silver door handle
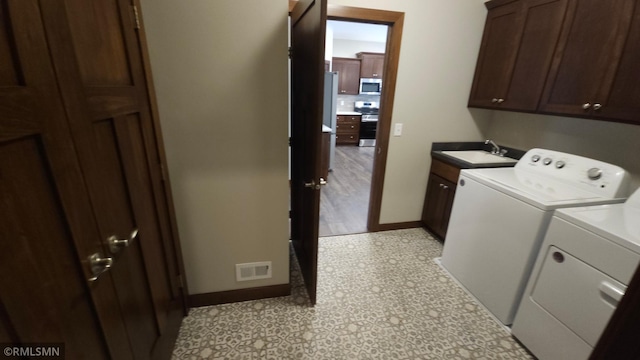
(312, 185)
(323, 181)
(116, 244)
(99, 265)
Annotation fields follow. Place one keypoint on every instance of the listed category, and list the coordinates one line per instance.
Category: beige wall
(440, 45)
(220, 71)
(606, 141)
(349, 48)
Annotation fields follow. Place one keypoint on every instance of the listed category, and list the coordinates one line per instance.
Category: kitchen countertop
(348, 113)
(438, 147)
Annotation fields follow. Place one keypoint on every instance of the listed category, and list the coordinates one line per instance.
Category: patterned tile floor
(380, 296)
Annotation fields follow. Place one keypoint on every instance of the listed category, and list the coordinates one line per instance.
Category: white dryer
(586, 261)
(500, 216)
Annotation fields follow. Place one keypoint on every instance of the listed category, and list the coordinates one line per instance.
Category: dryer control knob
(535, 158)
(560, 164)
(547, 161)
(594, 173)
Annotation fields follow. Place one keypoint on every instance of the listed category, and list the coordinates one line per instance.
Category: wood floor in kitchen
(344, 201)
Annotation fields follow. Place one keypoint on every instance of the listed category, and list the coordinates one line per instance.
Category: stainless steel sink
(479, 157)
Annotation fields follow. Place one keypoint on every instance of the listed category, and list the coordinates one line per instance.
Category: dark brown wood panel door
(308, 20)
(348, 75)
(96, 53)
(623, 100)
(542, 25)
(47, 224)
(585, 63)
(497, 56)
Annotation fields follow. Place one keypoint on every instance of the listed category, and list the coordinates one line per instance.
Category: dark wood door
(348, 75)
(584, 64)
(47, 223)
(498, 52)
(308, 23)
(542, 25)
(623, 100)
(438, 204)
(372, 65)
(97, 56)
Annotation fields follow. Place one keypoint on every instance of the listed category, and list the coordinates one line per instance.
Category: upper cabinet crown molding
(562, 57)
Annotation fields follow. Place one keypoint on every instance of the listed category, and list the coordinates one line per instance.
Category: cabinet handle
(494, 100)
(444, 187)
(500, 101)
(353, 126)
(597, 106)
(586, 106)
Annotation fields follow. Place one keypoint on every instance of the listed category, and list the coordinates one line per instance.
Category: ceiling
(358, 31)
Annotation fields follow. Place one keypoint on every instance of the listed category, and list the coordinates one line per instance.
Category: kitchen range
(369, 122)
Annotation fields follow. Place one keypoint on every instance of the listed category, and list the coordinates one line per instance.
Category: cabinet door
(372, 65)
(542, 25)
(584, 65)
(623, 101)
(47, 225)
(497, 55)
(348, 75)
(97, 56)
(438, 204)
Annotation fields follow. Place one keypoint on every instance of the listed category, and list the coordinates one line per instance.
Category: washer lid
(539, 191)
(619, 223)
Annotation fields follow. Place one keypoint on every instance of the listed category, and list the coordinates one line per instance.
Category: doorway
(354, 55)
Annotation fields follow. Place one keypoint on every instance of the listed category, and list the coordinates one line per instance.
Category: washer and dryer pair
(587, 259)
(560, 288)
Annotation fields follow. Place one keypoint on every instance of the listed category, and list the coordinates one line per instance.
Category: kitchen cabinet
(516, 52)
(441, 190)
(348, 75)
(348, 129)
(372, 64)
(595, 72)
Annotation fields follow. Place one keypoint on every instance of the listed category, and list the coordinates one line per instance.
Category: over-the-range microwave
(370, 86)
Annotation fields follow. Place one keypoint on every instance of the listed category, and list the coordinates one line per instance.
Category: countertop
(348, 113)
(439, 147)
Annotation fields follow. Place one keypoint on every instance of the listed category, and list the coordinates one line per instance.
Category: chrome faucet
(495, 148)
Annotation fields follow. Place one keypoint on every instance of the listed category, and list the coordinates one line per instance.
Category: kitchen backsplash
(346, 102)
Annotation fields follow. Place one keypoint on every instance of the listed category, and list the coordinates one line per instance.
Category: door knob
(116, 244)
(323, 181)
(99, 265)
(312, 185)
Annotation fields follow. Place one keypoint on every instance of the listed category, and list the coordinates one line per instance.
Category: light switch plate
(397, 130)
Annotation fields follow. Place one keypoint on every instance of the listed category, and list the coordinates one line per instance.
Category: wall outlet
(253, 271)
(397, 130)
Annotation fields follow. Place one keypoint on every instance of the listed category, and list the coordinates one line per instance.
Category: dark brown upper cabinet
(595, 70)
(516, 52)
(348, 75)
(372, 64)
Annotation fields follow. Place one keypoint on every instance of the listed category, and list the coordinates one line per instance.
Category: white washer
(500, 216)
(586, 262)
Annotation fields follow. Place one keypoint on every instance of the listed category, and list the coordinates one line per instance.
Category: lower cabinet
(348, 129)
(441, 189)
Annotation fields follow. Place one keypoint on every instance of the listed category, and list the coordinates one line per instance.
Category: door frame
(395, 21)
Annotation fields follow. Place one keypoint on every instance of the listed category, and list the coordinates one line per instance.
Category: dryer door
(577, 294)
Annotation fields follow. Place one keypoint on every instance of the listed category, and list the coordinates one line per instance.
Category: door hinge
(136, 17)
(290, 53)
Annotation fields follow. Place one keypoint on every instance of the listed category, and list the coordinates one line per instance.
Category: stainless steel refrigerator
(330, 108)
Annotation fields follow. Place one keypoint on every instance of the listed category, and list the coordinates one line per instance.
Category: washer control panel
(604, 178)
